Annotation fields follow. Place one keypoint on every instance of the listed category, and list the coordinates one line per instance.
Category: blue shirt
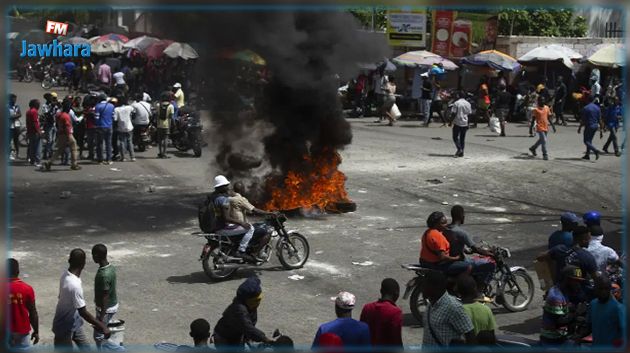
(104, 115)
(560, 238)
(612, 112)
(69, 66)
(591, 114)
(352, 332)
(607, 321)
(219, 203)
(577, 257)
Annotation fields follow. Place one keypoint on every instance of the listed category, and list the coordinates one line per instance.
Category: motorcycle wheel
(46, 83)
(417, 303)
(211, 271)
(299, 251)
(180, 145)
(28, 77)
(197, 150)
(511, 291)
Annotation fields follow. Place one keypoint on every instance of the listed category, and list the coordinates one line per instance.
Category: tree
(542, 22)
(365, 14)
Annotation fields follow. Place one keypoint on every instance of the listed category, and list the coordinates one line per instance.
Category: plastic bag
(395, 112)
(495, 125)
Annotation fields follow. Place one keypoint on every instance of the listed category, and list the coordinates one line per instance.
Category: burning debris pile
(279, 128)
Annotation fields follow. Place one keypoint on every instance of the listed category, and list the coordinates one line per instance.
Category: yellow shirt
(239, 206)
(179, 98)
(165, 123)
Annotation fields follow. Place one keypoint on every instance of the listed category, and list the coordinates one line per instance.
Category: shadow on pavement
(439, 155)
(411, 126)
(528, 327)
(243, 273)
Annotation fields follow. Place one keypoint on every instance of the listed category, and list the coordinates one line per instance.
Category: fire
(319, 184)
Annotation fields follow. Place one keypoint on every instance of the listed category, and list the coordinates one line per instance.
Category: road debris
(364, 263)
(65, 195)
(444, 203)
(296, 277)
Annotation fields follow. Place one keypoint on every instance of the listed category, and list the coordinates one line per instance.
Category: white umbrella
(107, 47)
(180, 50)
(552, 52)
(140, 43)
(423, 58)
(609, 55)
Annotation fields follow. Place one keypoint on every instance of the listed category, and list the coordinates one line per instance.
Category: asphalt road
(511, 200)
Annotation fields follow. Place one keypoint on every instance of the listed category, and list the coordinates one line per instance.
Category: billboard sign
(457, 34)
(406, 28)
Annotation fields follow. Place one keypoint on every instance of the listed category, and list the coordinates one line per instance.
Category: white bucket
(115, 341)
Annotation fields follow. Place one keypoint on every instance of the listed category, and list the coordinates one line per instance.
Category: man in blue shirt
(613, 113)
(104, 117)
(353, 333)
(591, 120)
(606, 317)
(569, 221)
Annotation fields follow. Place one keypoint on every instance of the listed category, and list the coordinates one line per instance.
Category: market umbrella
(36, 36)
(76, 40)
(113, 36)
(610, 55)
(156, 49)
(140, 43)
(243, 55)
(12, 35)
(423, 58)
(180, 50)
(106, 47)
(551, 52)
(493, 59)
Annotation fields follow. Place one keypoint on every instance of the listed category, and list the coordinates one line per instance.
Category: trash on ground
(296, 277)
(115, 169)
(364, 263)
(444, 203)
(436, 138)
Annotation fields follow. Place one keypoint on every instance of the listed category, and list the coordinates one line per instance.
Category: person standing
(71, 309)
(384, 318)
(69, 72)
(90, 126)
(606, 316)
(119, 80)
(563, 236)
(502, 105)
(105, 297)
(14, 115)
(602, 254)
(178, 93)
(591, 121)
(105, 74)
(483, 100)
(353, 333)
(541, 119)
(122, 115)
(65, 139)
(164, 117)
(481, 316)
(22, 310)
(445, 320)
(389, 90)
(425, 98)
(33, 133)
(104, 117)
(461, 110)
(560, 96)
(531, 102)
(612, 117)
(596, 90)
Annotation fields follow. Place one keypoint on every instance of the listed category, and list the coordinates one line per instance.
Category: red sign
(442, 21)
(58, 28)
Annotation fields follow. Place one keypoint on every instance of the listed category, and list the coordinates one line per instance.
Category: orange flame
(319, 186)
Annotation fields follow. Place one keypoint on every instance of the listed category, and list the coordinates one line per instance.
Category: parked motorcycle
(188, 133)
(292, 248)
(54, 80)
(27, 73)
(507, 285)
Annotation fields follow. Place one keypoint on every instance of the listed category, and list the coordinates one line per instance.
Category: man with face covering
(238, 323)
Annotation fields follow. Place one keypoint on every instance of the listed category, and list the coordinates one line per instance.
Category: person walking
(591, 121)
(71, 309)
(104, 117)
(164, 117)
(105, 75)
(541, 120)
(389, 90)
(483, 100)
(353, 333)
(49, 111)
(105, 297)
(502, 104)
(559, 97)
(531, 102)
(33, 133)
(461, 110)
(22, 310)
(16, 127)
(425, 98)
(65, 139)
(122, 116)
(384, 318)
(613, 114)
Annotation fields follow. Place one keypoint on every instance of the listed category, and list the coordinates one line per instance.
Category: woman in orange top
(541, 119)
(435, 248)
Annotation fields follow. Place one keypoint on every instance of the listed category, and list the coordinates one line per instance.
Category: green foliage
(364, 15)
(542, 22)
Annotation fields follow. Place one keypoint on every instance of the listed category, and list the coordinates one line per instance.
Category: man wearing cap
(568, 221)
(178, 93)
(238, 323)
(603, 254)
(353, 333)
(558, 309)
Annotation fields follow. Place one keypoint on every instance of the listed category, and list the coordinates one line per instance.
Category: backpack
(162, 113)
(206, 215)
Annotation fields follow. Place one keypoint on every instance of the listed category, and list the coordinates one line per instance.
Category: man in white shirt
(71, 309)
(602, 253)
(460, 110)
(124, 127)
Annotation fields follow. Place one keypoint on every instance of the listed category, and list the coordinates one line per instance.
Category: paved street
(511, 200)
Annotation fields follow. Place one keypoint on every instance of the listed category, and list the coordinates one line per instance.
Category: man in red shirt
(64, 136)
(22, 311)
(384, 318)
(33, 133)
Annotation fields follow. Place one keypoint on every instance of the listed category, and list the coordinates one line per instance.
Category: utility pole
(373, 18)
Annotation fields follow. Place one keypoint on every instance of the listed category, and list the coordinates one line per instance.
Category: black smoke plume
(297, 111)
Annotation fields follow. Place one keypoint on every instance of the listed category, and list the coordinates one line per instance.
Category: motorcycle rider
(239, 207)
(591, 218)
(435, 248)
(238, 323)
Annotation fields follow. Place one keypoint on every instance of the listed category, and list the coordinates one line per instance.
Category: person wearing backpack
(164, 115)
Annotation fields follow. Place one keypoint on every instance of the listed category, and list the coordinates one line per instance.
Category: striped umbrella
(243, 55)
(423, 58)
(76, 40)
(140, 43)
(156, 49)
(106, 47)
(493, 59)
(113, 36)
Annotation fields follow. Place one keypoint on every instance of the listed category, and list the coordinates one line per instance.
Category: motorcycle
(142, 136)
(217, 258)
(504, 283)
(26, 73)
(188, 133)
(54, 80)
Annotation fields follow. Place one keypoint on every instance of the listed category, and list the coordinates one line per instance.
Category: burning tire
(293, 255)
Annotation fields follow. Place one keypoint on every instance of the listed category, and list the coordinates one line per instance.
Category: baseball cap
(572, 272)
(345, 300)
(569, 217)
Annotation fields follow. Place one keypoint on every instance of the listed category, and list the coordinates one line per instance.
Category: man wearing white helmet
(179, 95)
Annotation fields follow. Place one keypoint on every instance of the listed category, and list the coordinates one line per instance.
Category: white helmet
(177, 85)
(220, 180)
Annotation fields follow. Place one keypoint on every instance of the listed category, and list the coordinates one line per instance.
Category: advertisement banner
(458, 34)
(406, 28)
